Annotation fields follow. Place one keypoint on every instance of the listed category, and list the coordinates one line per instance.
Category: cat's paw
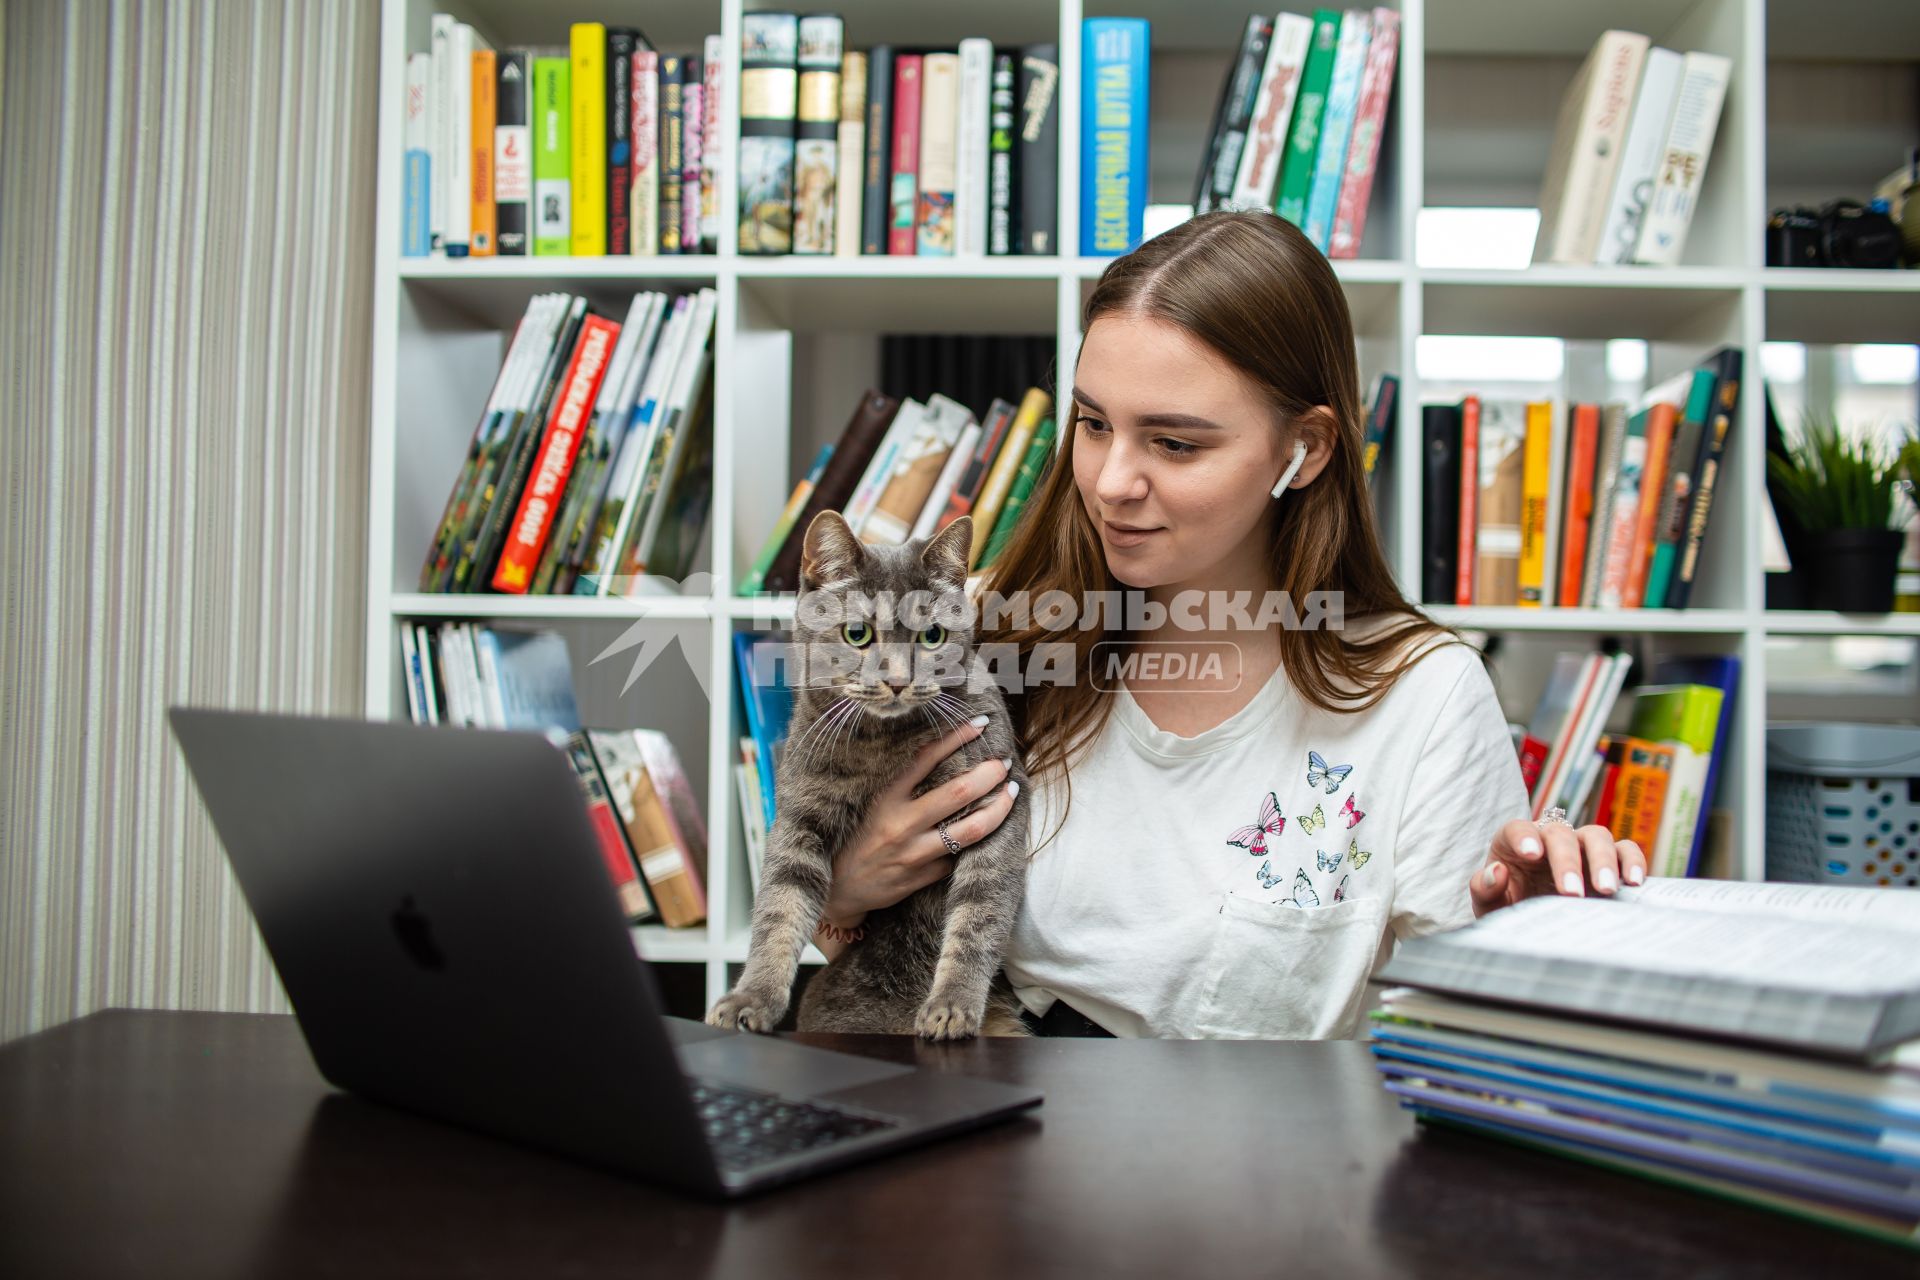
(745, 1011)
(941, 1018)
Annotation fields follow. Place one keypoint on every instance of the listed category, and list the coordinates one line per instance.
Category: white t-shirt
(1178, 900)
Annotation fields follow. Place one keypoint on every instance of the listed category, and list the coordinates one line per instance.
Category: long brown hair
(1252, 288)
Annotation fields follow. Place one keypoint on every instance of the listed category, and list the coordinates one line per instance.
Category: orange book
(1641, 792)
(1463, 582)
(1581, 458)
(480, 242)
(1660, 423)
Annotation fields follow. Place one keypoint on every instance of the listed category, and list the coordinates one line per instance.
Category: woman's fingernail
(1635, 875)
(1013, 790)
(1007, 763)
(978, 722)
(1605, 881)
(1530, 846)
(1488, 877)
(1571, 883)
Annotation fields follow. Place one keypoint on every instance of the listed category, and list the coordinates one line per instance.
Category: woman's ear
(1317, 428)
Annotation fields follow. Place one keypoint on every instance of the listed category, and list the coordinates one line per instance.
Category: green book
(1685, 717)
(1303, 138)
(1670, 524)
(796, 503)
(1032, 467)
(552, 157)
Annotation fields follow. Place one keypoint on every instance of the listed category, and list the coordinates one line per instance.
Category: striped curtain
(186, 247)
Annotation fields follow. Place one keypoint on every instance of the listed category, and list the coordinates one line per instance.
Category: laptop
(442, 920)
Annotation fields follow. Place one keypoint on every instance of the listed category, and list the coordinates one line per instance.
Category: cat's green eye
(934, 636)
(857, 634)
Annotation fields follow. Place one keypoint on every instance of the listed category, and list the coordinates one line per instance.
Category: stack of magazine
(1756, 1041)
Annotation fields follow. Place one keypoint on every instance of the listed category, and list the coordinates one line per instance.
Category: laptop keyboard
(748, 1128)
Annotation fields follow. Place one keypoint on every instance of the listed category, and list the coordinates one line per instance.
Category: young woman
(1232, 852)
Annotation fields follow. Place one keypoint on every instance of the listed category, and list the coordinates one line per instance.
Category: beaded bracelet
(834, 933)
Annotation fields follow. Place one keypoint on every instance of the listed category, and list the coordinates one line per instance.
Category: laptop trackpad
(780, 1066)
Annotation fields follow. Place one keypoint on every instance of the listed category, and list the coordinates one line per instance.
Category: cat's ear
(945, 557)
(831, 553)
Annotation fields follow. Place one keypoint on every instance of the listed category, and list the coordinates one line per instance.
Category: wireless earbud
(1293, 468)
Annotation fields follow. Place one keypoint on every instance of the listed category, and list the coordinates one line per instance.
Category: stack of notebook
(1757, 1041)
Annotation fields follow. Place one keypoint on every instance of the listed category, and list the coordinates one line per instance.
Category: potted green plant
(1840, 489)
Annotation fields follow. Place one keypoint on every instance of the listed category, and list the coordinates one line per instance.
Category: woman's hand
(897, 849)
(1529, 859)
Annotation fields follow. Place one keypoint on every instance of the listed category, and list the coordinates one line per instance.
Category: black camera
(1845, 233)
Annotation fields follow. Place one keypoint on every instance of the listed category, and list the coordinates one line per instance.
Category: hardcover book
(1587, 138)
(1683, 160)
(849, 212)
(1003, 235)
(872, 416)
(1113, 135)
(416, 192)
(769, 98)
(876, 195)
(939, 149)
(643, 129)
(1039, 148)
(1640, 157)
(552, 157)
(1261, 139)
(1227, 137)
(621, 43)
(1369, 123)
(480, 242)
(672, 157)
(904, 186)
(512, 156)
(1303, 136)
(970, 148)
(693, 131)
(588, 85)
(816, 152)
(1336, 125)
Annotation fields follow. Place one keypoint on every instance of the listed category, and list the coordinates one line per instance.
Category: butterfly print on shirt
(1351, 813)
(1322, 774)
(1312, 822)
(1254, 839)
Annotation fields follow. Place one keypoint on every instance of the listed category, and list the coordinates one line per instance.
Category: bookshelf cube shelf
(1478, 88)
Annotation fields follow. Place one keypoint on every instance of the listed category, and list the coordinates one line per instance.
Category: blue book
(1113, 135)
(1336, 126)
(414, 241)
(1722, 672)
(769, 704)
(535, 678)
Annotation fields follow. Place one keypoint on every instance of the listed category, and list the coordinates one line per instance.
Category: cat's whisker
(809, 739)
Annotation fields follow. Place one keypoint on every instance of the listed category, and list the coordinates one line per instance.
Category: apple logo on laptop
(416, 936)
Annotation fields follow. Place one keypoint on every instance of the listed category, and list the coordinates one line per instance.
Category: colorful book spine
(904, 187)
(527, 535)
(713, 71)
(1719, 671)
(588, 88)
(1039, 147)
(552, 158)
(1579, 504)
(512, 156)
(1369, 123)
(1676, 492)
(416, 192)
(958, 460)
(816, 148)
(1336, 127)
(1034, 408)
(1002, 233)
(939, 147)
(1653, 482)
(672, 155)
(1588, 134)
(621, 43)
(769, 97)
(1380, 414)
(1685, 718)
(1464, 583)
(967, 487)
(1683, 161)
(462, 44)
(1623, 517)
(1230, 135)
(876, 209)
(1641, 792)
(1639, 164)
(1503, 434)
(1262, 141)
(1032, 467)
(849, 210)
(1536, 467)
(480, 168)
(1713, 448)
(796, 502)
(1303, 138)
(644, 113)
(1606, 483)
(693, 133)
(1113, 135)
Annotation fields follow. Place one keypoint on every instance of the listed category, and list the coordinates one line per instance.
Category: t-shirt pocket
(1277, 972)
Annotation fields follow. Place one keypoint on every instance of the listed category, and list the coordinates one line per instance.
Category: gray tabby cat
(879, 682)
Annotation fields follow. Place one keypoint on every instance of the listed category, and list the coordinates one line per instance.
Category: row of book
(606, 145)
(1756, 1042)
(768, 704)
(903, 469)
(894, 150)
(1297, 128)
(639, 801)
(1655, 782)
(590, 470)
(1629, 154)
(1530, 504)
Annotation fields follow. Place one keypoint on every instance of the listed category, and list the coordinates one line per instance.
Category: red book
(1533, 758)
(904, 192)
(527, 536)
(1469, 498)
(1579, 490)
(1661, 422)
(1363, 151)
(1615, 751)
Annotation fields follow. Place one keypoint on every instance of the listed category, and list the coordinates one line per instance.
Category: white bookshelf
(1479, 82)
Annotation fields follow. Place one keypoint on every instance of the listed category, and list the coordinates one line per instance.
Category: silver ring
(953, 846)
(1555, 817)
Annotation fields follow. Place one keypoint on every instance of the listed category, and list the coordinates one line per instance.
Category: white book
(712, 145)
(849, 195)
(939, 136)
(1267, 130)
(1585, 735)
(916, 469)
(936, 504)
(675, 428)
(1673, 844)
(439, 122)
(487, 667)
(461, 44)
(467, 671)
(970, 149)
(410, 667)
(423, 644)
(873, 481)
(449, 679)
(1587, 138)
(1640, 157)
(1683, 160)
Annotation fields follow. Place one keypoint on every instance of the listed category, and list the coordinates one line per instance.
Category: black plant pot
(1852, 570)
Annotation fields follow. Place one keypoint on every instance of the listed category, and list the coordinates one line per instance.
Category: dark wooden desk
(205, 1145)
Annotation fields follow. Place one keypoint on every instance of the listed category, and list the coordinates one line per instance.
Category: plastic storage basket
(1843, 804)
